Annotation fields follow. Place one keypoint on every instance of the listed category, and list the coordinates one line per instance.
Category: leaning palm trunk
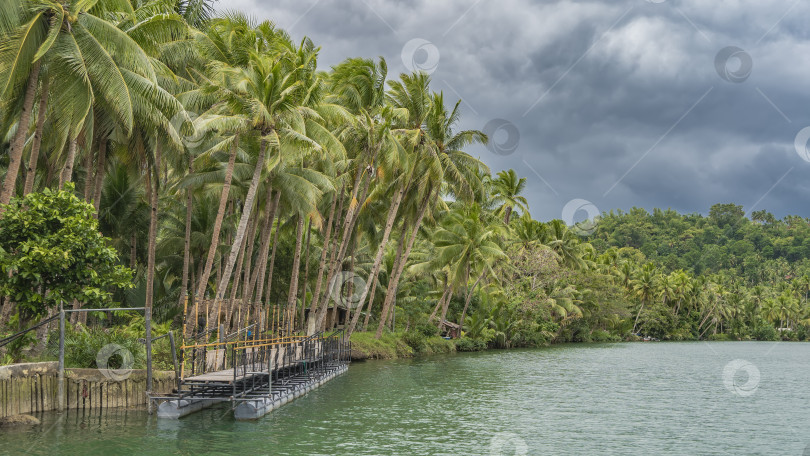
(326, 239)
(150, 263)
(375, 269)
(469, 298)
(440, 304)
(223, 203)
(232, 300)
(306, 275)
(272, 260)
(17, 144)
(389, 298)
(399, 265)
(100, 164)
(89, 185)
(292, 295)
(243, 222)
(186, 241)
(351, 218)
(67, 172)
(37, 143)
(257, 277)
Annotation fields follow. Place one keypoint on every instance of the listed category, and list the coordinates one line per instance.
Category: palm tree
(507, 189)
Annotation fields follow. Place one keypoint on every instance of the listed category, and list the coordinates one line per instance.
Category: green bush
(600, 335)
(82, 346)
(465, 344)
(720, 337)
(389, 346)
(765, 332)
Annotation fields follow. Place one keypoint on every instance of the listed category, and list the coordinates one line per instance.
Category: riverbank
(398, 345)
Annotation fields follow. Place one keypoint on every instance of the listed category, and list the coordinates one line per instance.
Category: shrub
(465, 344)
(765, 332)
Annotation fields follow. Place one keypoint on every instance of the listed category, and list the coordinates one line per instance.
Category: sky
(601, 105)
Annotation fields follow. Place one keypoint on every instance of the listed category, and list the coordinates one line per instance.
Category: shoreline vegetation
(205, 167)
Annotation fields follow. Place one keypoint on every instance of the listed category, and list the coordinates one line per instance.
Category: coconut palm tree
(507, 189)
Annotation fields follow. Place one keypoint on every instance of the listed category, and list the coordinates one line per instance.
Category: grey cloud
(604, 110)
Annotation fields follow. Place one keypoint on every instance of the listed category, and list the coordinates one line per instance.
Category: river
(706, 398)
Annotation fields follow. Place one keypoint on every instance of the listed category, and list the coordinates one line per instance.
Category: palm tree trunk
(390, 298)
(638, 315)
(352, 214)
(469, 298)
(67, 171)
(133, 251)
(89, 185)
(37, 143)
(100, 171)
(17, 144)
(306, 274)
(186, 241)
(371, 295)
(400, 265)
(150, 263)
(240, 261)
(292, 295)
(243, 222)
(259, 279)
(440, 304)
(375, 269)
(272, 259)
(223, 203)
(326, 239)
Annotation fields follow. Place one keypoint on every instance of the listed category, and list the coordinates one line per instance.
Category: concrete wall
(32, 387)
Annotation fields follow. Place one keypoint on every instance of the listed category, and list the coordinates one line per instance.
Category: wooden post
(61, 391)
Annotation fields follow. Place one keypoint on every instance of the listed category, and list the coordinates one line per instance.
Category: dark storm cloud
(616, 102)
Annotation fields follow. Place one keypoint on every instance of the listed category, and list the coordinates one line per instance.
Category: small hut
(450, 329)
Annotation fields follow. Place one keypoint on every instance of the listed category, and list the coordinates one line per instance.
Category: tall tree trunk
(150, 263)
(223, 203)
(292, 295)
(469, 298)
(17, 144)
(101, 164)
(440, 304)
(89, 185)
(264, 253)
(251, 236)
(67, 172)
(243, 222)
(186, 240)
(400, 264)
(326, 239)
(133, 251)
(351, 218)
(272, 259)
(240, 261)
(389, 299)
(264, 245)
(37, 143)
(375, 269)
(306, 274)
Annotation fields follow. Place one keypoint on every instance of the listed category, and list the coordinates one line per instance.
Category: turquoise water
(732, 398)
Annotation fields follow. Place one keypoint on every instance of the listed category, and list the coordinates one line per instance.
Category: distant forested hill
(755, 247)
